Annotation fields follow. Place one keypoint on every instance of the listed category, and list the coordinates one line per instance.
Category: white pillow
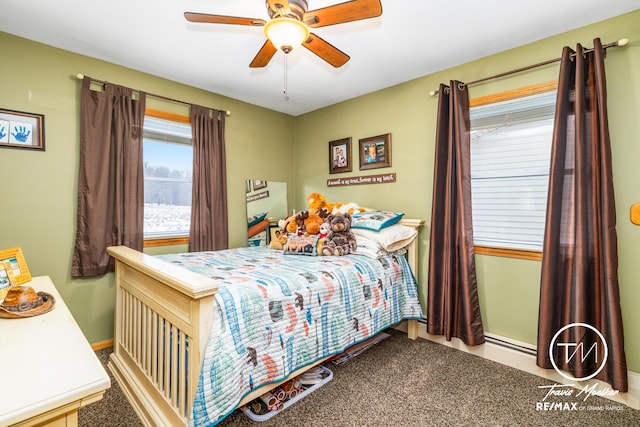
(369, 248)
(390, 238)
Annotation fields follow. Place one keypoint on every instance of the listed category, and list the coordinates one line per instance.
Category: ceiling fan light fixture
(286, 33)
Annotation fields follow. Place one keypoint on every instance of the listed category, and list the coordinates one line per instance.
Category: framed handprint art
(21, 130)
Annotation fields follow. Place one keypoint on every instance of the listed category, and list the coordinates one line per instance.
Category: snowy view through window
(166, 219)
(167, 188)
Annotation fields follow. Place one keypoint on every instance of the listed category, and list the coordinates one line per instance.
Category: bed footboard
(162, 319)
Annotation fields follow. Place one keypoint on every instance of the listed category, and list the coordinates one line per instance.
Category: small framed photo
(273, 232)
(375, 152)
(7, 279)
(247, 186)
(14, 259)
(340, 155)
(21, 130)
(259, 185)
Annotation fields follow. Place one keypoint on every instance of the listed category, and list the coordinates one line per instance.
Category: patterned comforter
(277, 312)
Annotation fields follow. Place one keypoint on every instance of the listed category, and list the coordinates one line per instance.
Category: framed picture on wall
(21, 130)
(259, 184)
(340, 155)
(375, 152)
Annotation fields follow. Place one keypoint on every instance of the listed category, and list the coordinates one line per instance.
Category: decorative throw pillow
(375, 220)
(302, 245)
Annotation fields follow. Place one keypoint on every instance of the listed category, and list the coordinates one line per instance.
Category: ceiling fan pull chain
(286, 97)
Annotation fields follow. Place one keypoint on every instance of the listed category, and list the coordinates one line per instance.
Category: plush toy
(325, 227)
(340, 240)
(299, 219)
(312, 224)
(279, 241)
(287, 226)
(317, 203)
(308, 222)
(346, 207)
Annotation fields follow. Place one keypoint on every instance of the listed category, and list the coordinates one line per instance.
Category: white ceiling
(412, 38)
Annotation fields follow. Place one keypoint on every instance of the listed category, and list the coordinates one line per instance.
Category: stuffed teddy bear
(325, 227)
(340, 240)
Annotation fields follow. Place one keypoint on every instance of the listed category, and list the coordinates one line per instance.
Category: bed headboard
(412, 249)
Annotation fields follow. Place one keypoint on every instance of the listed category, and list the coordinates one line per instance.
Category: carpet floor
(400, 382)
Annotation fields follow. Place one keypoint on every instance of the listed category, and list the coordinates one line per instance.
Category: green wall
(39, 201)
(40, 198)
(508, 288)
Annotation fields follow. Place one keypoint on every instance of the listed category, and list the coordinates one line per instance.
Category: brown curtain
(209, 219)
(579, 281)
(453, 306)
(110, 181)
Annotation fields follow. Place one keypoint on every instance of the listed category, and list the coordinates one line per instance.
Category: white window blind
(510, 154)
(166, 130)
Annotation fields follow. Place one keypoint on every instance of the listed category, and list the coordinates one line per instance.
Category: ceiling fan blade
(222, 19)
(264, 55)
(326, 51)
(353, 10)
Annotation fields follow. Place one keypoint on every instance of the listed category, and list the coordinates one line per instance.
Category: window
(168, 168)
(510, 154)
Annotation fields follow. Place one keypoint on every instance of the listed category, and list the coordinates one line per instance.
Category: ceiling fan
(289, 26)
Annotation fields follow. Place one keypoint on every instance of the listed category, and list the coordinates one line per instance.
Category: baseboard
(102, 344)
(523, 359)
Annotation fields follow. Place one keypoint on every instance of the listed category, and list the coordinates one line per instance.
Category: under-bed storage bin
(280, 398)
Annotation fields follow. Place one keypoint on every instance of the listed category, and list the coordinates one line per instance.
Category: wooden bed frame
(163, 315)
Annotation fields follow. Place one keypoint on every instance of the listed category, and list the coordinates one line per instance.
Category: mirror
(266, 204)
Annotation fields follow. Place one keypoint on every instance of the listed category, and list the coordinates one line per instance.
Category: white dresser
(48, 370)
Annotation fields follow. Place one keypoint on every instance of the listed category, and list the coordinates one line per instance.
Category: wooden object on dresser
(48, 370)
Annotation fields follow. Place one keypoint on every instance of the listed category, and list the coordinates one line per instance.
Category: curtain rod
(81, 76)
(619, 43)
